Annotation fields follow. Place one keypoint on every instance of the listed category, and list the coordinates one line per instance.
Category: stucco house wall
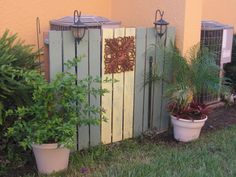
(20, 15)
(222, 11)
(185, 15)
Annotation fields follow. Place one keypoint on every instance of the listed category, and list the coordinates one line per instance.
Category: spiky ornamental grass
(187, 77)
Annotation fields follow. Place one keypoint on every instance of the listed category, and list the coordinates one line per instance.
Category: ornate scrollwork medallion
(119, 54)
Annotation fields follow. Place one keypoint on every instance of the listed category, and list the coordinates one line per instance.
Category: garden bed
(140, 158)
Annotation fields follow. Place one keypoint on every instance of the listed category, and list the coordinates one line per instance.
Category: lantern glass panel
(78, 32)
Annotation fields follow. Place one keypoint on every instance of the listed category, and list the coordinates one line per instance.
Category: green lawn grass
(213, 155)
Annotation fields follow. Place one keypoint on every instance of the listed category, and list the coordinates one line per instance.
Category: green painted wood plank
(55, 53)
(69, 54)
(69, 48)
(158, 87)
(150, 52)
(82, 49)
(165, 115)
(95, 67)
(139, 80)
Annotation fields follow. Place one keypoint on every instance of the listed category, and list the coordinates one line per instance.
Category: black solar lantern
(160, 25)
(78, 28)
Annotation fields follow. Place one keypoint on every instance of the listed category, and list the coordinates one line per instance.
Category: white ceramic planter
(50, 158)
(187, 130)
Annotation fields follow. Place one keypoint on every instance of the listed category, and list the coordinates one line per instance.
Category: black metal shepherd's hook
(38, 31)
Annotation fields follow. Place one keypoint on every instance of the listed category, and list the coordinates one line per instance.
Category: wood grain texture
(150, 41)
(139, 81)
(55, 53)
(83, 72)
(158, 88)
(106, 99)
(118, 97)
(165, 115)
(69, 48)
(95, 65)
(128, 96)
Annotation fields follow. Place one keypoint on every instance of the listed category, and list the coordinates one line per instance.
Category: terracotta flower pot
(50, 158)
(187, 130)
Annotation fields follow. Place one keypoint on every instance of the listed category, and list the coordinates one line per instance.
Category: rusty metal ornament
(119, 54)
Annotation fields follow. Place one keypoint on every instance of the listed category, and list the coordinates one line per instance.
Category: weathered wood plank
(69, 54)
(118, 98)
(139, 80)
(106, 99)
(83, 72)
(69, 48)
(55, 53)
(158, 87)
(94, 68)
(150, 52)
(167, 69)
(128, 96)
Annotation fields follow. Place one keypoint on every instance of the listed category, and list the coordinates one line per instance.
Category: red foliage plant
(194, 111)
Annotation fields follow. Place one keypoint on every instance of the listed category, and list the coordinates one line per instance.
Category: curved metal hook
(77, 14)
(38, 32)
(161, 13)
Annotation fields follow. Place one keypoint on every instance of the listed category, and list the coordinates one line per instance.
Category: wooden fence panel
(157, 87)
(94, 70)
(128, 105)
(68, 48)
(55, 53)
(129, 111)
(139, 81)
(106, 127)
(83, 72)
(165, 117)
(150, 53)
(117, 106)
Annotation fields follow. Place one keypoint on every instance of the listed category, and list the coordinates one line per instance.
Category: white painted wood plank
(106, 99)
(129, 96)
(118, 98)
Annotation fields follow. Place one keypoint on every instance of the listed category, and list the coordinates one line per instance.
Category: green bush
(15, 58)
(189, 77)
(57, 108)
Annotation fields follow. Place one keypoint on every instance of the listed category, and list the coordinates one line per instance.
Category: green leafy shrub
(56, 109)
(189, 77)
(15, 58)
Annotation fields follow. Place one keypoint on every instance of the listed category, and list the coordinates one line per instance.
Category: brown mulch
(220, 118)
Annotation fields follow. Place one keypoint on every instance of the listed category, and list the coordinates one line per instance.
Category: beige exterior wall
(192, 24)
(185, 15)
(222, 11)
(19, 15)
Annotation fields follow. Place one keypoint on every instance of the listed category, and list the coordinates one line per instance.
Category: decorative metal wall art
(119, 54)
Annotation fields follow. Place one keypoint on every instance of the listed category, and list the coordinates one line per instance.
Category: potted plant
(190, 76)
(57, 108)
